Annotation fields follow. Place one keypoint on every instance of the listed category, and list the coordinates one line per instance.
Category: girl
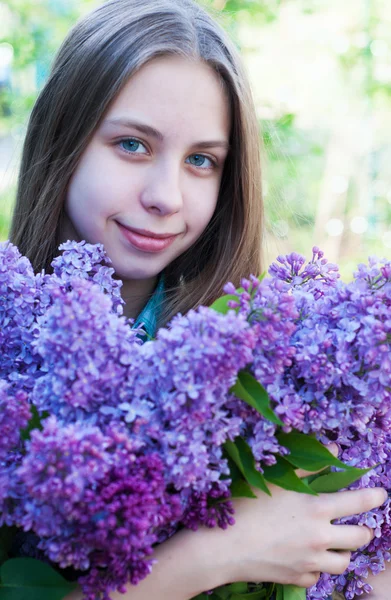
(145, 139)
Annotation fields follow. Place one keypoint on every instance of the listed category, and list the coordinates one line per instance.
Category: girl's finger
(335, 563)
(350, 537)
(332, 448)
(353, 502)
(307, 580)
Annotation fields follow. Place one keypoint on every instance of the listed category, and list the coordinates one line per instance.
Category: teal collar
(148, 317)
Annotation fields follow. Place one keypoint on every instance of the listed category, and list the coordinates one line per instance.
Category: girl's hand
(289, 537)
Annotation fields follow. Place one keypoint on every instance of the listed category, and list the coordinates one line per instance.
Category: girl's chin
(127, 275)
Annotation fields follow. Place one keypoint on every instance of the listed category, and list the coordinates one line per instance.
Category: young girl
(145, 139)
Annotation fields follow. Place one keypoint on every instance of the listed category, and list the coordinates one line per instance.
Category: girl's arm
(285, 538)
(187, 565)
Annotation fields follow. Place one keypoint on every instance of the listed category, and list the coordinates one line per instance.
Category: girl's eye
(132, 145)
(199, 160)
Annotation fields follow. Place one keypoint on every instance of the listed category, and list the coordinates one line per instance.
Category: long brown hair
(95, 61)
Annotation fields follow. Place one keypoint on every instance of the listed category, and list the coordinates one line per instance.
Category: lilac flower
(324, 587)
(19, 297)
(269, 308)
(14, 416)
(184, 377)
(85, 350)
(87, 261)
(317, 275)
(95, 500)
(209, 509)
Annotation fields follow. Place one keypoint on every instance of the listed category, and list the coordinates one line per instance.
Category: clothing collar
(148, 317)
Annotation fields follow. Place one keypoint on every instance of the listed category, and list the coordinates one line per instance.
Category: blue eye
(198, 160)
(132, 145)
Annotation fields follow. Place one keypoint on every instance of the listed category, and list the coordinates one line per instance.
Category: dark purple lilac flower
(96, 500)
(212, 509)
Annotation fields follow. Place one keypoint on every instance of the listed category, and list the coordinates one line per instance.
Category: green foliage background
(321, 76)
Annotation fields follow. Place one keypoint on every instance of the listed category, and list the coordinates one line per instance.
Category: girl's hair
(96, 60)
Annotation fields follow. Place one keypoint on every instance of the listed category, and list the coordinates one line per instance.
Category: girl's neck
(136, 294)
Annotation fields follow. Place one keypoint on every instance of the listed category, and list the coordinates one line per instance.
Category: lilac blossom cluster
(89, 262)
(85, 351)
(95, 500)
(19, 300)
(25, 296)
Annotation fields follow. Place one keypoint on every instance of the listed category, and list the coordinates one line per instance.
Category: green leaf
(6, 537)
(250, 596)
(34, 423)
(279, 591)
(241, 489)
(30, 579)
(241, 454)
(292, 592)
(283, 474)
(332, 482)
(247, 388)
(239, 587)
(270, 591)
(221, 304)
(307, 453)
(222, 593)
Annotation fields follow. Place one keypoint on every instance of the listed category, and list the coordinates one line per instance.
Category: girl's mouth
(146, 241)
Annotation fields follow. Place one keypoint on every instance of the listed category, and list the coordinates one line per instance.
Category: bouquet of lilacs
(109, 446)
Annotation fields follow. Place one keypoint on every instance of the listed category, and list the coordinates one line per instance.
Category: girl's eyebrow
(152, 132)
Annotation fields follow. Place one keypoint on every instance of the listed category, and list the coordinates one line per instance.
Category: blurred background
(321, 77)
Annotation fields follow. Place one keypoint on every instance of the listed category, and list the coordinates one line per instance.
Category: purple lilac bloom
(88, 261)
(86, 350)
(96, 500)
(270, 309)
(209, 509)
(14, 416)
(185, 376)
(318, 274)
(10, 489)
(362, 318)
(19, 298)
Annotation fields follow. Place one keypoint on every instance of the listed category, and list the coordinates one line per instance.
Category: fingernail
(333, 449)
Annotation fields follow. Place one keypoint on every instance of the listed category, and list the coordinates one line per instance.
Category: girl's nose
(162, 194)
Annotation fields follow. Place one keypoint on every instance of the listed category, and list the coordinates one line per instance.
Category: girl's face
(147, 184)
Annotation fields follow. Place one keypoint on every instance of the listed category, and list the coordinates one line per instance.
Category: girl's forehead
(174, 90)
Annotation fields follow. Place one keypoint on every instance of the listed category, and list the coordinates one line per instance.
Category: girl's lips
(146, 243)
